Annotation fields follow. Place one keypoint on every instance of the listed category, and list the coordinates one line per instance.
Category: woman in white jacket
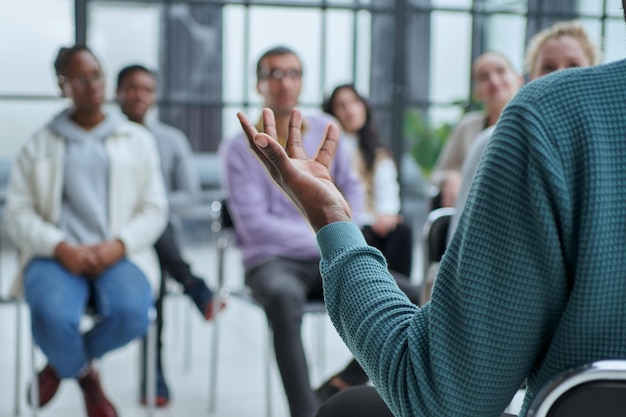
(85, 204)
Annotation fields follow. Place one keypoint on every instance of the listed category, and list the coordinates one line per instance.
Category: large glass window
(450, 58)
(29, 94)
(135, 39)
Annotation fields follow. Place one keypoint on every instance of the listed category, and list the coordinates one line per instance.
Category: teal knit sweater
(534, 280)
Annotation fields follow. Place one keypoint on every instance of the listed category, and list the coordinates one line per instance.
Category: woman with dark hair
(382, 227)
(85, 204)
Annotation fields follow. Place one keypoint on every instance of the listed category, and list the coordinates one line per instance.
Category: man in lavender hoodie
(280, 253)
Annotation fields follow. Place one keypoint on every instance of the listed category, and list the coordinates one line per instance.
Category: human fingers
(294, 140)
(250, 132)
(247, 126)
(269, 123)
(326, 151)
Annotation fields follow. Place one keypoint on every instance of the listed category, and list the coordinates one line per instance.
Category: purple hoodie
(267, 224)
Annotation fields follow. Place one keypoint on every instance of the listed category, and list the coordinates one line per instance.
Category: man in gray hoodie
(136, 94)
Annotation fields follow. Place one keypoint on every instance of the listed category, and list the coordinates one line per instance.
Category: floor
(241, 389)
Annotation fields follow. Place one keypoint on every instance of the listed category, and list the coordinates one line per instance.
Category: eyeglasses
(278, 74)
(83, 80)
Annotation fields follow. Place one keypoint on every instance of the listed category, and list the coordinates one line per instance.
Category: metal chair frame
(434, 242)
(581, 391)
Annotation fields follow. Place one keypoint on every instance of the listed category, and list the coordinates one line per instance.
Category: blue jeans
(57, 299)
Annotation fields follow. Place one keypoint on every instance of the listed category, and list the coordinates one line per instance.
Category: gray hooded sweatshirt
(84, 209)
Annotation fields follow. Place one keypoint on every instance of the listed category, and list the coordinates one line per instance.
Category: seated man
(136, 94)
(85, 217)
(280, 254)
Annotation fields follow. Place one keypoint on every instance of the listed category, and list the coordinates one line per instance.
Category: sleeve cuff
(337, 236)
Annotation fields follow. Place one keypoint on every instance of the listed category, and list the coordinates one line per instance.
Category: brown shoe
(96, 402)
(49, 382)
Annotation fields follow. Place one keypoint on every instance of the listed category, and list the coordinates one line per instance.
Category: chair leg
(221, 245)
(151, 364)
(268, 370)
(18, 358)
(213, 361)
(188, 342)
(34, 386)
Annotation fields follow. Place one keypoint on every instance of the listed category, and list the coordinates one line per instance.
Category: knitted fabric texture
(534, 280)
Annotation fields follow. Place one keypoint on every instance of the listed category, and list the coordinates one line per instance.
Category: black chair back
(594, 390)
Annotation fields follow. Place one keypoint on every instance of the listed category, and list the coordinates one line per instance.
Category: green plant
(427, 141)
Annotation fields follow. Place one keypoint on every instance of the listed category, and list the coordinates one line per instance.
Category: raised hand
(306, 181)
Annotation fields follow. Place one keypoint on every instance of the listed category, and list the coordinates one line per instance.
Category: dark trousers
(362, 401)
(173, 265)
(397, 247)
(283, 286)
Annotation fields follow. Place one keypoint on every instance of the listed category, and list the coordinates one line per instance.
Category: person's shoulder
(472, 118)
(163, 129)
(132, 129)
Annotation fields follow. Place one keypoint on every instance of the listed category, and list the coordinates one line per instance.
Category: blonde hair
(570, 28)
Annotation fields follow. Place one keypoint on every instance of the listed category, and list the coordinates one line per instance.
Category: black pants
(173, 265)
(283, 287)
(397, 247)
(361, 401)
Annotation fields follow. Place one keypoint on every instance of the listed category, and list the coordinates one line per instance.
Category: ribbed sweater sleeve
(492, 312)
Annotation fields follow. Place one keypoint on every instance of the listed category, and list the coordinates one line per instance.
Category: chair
(222, 224)
(435, 240)
(596, 389)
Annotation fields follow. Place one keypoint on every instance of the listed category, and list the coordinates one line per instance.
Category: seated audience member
(136, 94)
(560, 46)
(85, 217)
(495, 83)
(280, 255)
(531, 285)
(383, 227)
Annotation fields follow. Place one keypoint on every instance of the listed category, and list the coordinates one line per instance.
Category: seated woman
(85, 204)
(383, 227)
(495, 84)
(560, 46)
(382, 223)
